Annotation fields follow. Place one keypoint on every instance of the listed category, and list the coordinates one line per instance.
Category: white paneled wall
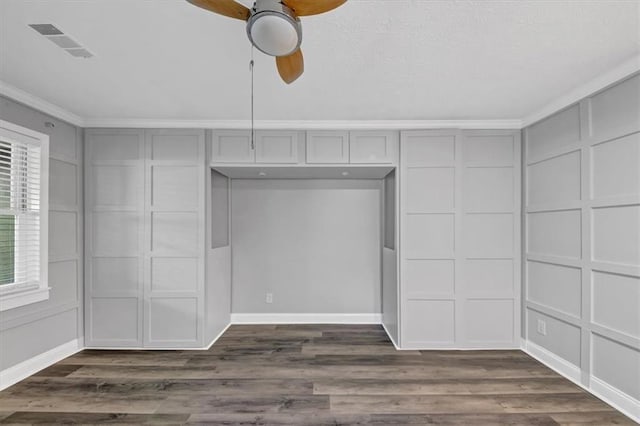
(144, 238)
(582, 262)
(114, 258)
(174, 238)
(460, 245)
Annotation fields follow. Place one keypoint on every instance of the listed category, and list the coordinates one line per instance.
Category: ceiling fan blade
(290, 67)
(312, 7)
(224, 7)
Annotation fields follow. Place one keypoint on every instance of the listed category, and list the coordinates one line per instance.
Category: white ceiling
(367, 60)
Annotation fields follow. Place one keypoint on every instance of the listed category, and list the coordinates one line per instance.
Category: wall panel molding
(604, 243)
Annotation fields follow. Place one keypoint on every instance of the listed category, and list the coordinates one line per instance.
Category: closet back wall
(314, 244)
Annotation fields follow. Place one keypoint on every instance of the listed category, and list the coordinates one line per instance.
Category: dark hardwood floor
(302, 375)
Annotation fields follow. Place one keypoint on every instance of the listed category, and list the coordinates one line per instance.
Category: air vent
(54, 34)
(80, 53)
(46, 29)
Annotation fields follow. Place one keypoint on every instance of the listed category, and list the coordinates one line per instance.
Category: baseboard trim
(622, 402)
(554, 362)
(306, 318)
(215, 339)
(21, 371)
(390, 337)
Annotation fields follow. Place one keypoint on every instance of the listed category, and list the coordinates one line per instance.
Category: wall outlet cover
(542, 327)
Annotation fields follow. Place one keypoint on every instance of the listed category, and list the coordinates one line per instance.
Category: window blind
(20, 190)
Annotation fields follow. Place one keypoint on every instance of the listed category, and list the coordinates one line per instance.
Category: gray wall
(218, 271)
(314, 244)
(33, 329)
(582, 232)
(390, 257)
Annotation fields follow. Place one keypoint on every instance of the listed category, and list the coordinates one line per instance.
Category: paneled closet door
(114, 232)
(460, 222)
(174, 239)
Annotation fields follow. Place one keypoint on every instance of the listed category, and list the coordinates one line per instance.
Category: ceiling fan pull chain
(253, 132)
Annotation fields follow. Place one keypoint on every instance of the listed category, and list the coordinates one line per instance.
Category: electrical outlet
(542, 327)
(269, 298)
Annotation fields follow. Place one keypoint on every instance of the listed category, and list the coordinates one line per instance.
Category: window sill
(22, 298)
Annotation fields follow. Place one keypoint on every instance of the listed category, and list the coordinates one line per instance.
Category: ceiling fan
(274, 27)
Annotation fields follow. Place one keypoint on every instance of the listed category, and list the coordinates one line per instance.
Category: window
(24, 161)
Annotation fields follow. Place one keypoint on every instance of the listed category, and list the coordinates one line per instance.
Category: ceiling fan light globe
(274, 35)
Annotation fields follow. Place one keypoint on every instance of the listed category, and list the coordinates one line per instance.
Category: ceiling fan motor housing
(273, 28)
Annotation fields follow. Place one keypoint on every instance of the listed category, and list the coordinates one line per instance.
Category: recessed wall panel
(114, 319)
(617, 365)
(555, 233)
(616, 302)
(115, 234)
(175, 187)
(115, 275)
(616, 167)
(556, 180)
(488, 277)
(550, 134)
(62, 183)
(63, 280)
(488, 189)
(428, 235)
(115, 147)
(488, 235)
(616, 235)
(429, 322)
(173, 319)
(556, 286)
(563, 339)
(174, 274)
(174, 233)
(429, 276)
(63, 233)
(488, 151)
(116, 186)
(489, 321)
(174, 147)
(429, 151)
(617, 109)
(430, 189)
(62, 140)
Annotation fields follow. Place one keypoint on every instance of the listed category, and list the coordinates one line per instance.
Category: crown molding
(40, 104)
(305, 124)
(625, 69)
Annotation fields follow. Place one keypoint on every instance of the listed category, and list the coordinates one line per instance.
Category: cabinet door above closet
(278, 147)
(268, 146)
(232, 146)
(372, 147)
(327, 147)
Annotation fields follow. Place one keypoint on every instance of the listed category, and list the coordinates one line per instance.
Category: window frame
(13, 295)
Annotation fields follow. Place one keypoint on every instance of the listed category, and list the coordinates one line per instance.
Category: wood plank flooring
(302, 375)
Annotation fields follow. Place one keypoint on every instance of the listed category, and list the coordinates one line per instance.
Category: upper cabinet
(356, 147)
(327, 147)
(288, 147)
(232, 146)
(236, 146)
(371, 147)
(277, 147)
